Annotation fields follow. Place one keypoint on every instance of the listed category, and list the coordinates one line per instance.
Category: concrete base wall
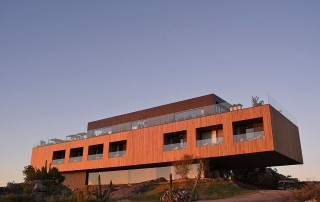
(75, 179)
(137, 175)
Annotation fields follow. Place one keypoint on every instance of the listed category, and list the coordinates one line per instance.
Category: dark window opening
(76, 154)
(95, 152)
(58, 157)
(175, 140)
(248, 130)
(210, 135)
(117, 149)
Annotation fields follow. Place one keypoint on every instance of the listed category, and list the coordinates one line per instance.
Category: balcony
(95, 152)
(209, 135)
(247, 130)
(95, 157)
(57, 161)
(175, 140)
(209, 142)
(76, 154)
(75, 159)
(248, 136)
(177, 146)
(117, 154)
(58, 157)
(117, 149)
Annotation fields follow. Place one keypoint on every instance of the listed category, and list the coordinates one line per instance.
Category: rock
(160, 179)
(39, 187)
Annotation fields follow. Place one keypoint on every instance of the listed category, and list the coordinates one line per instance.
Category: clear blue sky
(64, 63)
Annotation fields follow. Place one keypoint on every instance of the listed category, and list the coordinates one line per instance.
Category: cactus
(108, 194)
(45, 166)
(170, 188)
(100, 189)
(80, 197)
(87, 188)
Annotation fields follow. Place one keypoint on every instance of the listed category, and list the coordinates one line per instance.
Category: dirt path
(261, 196)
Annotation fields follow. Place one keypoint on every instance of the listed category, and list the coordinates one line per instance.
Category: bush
(16, 198)
(309, 191)
(53, 175)
(265, 178)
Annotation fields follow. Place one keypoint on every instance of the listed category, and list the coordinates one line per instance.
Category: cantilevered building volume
(142, 145)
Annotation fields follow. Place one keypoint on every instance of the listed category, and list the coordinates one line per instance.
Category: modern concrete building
(142, 145)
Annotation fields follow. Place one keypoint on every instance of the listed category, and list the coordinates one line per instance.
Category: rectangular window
(248, 130)
(175, 140)
(58, 157)
(76, 154)
(117, 149)
(211, 135)
(95, 152)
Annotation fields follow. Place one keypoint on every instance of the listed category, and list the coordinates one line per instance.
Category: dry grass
(206, 189)
(310, 191)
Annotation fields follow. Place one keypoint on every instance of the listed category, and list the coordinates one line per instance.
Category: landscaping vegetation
(45, 185)
(310, 191)
(207, 189)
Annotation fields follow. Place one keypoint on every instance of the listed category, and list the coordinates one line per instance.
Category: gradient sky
(64, 63)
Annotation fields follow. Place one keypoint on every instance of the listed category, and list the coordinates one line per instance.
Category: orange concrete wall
(145, 146)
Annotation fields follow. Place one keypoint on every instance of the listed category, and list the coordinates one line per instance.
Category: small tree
(53, 175)
(29, 173)
(183, 166)
(256, 102)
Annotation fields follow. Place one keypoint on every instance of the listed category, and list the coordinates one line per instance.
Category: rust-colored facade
(253, 137)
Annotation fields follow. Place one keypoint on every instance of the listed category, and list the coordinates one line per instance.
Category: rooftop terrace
(168, 118)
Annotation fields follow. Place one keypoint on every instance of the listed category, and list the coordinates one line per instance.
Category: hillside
(152, 190)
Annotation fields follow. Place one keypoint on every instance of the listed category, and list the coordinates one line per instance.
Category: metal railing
(164, 119)
(57, 161)
(248, 136)
(177, 146)
(169, 118)
(209, 142)
(75, 159)
(117, 154)
(95, 157)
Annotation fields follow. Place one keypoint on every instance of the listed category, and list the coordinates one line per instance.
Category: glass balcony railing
(95, 157)
(248, 136)
(159, 120)
(117, 154)
(281, 109)
(75, 159)
(57, 161)
(169, 118)
(209, 142)
(177, 146)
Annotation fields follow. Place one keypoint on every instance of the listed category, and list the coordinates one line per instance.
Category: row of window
(95, 152)
(212, 135)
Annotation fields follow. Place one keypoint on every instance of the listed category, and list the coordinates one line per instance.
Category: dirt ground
(261, 196)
